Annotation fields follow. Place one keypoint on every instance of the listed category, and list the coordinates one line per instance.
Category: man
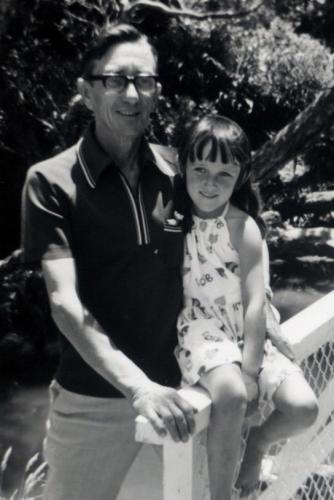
(99, 217)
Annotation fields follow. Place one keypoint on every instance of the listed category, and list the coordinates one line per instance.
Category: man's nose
(131, 92)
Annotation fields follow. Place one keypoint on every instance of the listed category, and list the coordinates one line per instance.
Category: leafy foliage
(28, 348)
(314, 17)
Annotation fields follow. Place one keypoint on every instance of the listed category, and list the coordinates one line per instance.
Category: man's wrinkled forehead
(142, 50)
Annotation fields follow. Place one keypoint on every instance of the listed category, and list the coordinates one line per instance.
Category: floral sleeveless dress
(211, 325)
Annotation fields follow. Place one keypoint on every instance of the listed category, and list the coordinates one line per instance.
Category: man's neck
(123, 152)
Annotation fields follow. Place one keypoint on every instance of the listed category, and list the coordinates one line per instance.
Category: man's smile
(128, 113)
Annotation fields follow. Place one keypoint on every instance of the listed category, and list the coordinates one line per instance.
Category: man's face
(126, 112)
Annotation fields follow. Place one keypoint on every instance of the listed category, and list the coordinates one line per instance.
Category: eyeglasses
(117, 82)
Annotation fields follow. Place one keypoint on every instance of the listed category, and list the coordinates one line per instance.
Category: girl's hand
(252, 389)
(275, 333)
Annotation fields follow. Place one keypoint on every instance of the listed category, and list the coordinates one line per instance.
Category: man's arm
(161, 405)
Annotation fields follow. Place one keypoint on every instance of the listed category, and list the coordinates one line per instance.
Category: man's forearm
(95, 347)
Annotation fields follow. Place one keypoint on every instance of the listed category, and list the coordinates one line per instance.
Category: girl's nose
(210, 182)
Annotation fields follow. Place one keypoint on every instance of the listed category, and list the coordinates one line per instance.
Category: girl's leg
(229, 401)
(296, 409)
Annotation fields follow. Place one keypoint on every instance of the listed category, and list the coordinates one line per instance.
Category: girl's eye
(224, 174)
(199, 170)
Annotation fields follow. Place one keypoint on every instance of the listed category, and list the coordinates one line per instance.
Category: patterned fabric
(211, 326)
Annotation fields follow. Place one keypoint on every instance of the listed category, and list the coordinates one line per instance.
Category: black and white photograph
(166, 250)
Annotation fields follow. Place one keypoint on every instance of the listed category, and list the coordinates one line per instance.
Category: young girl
(222, 327)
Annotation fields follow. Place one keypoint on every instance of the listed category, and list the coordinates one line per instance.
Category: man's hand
(252, 389)
(166, 410)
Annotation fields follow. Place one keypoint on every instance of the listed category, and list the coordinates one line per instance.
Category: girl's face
(210, 185)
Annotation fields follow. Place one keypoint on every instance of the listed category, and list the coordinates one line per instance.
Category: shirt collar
(94, 160)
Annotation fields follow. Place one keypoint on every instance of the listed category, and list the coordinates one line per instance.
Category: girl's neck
(221, 211)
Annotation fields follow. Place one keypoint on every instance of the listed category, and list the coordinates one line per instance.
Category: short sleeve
(45, 219)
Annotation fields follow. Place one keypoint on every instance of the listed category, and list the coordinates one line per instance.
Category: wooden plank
(184, 473)
(311, 327)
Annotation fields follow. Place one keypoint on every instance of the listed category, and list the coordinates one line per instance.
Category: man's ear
(84, 89)
(179, 170)
(155, 97)
(157, 94)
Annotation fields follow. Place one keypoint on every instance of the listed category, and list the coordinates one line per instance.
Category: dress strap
(227, 206)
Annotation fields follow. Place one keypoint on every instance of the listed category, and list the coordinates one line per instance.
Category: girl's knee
(310, 412)
(296, 399)
(305, 413)
(231, 399)
(227, 389)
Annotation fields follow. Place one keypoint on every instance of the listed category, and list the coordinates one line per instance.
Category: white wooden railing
(184, 464)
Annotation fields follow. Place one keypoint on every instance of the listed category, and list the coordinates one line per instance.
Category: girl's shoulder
(243, 228)
(235, 215)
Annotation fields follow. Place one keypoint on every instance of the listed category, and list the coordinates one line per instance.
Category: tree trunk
(294, 138)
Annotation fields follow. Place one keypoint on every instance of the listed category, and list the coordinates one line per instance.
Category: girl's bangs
(216, 149)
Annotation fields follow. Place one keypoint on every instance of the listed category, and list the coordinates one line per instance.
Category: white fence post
(184, 464)
(185, 471)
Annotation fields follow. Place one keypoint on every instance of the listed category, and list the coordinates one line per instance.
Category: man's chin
(132, 127)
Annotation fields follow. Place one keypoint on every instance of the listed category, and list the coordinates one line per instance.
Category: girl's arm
(253, 296)
(248, 242)
(273, 329)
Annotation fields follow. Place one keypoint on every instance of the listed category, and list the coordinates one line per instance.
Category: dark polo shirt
(127, 250)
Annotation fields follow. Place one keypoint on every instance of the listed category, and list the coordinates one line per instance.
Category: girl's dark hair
(224, 140)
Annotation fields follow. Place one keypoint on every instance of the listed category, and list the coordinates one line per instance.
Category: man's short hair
(109, 37)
